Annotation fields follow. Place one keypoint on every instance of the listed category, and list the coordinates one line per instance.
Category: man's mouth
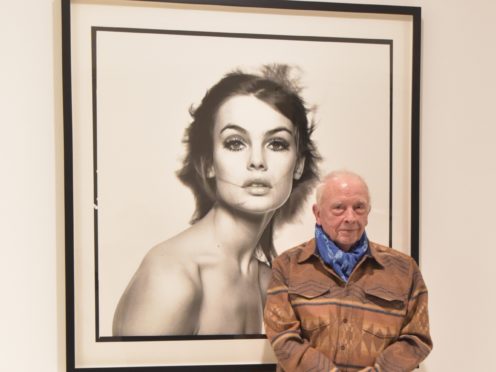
(348, 231)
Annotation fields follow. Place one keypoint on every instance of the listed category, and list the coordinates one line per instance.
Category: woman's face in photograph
(254, 155)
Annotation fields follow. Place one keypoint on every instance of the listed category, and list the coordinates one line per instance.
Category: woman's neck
(237, 235)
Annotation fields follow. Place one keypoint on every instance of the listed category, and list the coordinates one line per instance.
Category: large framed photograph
(195, 132)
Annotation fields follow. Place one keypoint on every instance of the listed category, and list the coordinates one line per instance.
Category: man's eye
(234, 144)
(337, 209)
(360, 209)
(278, 144)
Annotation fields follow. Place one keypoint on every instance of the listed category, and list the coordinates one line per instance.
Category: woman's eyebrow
(279, 129)
(268, 133)
(234, 127)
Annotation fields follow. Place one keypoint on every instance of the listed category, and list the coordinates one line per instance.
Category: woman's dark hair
(274, 87)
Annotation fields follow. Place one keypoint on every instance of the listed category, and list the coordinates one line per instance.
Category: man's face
(343, 210)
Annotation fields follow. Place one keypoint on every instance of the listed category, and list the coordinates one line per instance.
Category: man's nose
(350, 215)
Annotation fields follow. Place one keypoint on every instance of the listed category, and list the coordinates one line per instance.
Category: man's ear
(298, 171)
(316, 213)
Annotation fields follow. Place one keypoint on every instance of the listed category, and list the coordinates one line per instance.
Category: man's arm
(414, 342)
(293, 352)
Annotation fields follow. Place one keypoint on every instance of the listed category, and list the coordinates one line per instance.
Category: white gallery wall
(458, 183)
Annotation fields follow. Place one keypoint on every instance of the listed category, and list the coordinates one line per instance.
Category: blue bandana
(342, 262)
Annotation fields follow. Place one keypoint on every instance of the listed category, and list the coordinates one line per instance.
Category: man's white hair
(335, 175)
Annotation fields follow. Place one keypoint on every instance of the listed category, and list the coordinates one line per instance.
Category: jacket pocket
(385, 315)
(308, 290)
(309, 301)
(385, 298)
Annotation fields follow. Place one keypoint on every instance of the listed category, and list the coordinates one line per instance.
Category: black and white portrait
(223, 143)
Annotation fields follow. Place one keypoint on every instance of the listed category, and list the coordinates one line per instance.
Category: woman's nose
(256, 160)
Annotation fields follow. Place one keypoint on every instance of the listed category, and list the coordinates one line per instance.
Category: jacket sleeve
(414, 342)
(282, 326)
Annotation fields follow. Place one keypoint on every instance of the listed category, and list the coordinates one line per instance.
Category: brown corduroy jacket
(377, 321)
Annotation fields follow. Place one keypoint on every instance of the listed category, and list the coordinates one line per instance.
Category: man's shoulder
(388, 251)
(297, 252)
(389, 256)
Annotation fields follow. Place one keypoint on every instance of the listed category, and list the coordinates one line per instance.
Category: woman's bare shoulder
(183, 249)
(167, 286)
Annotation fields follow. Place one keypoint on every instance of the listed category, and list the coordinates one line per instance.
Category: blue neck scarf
(342, 262)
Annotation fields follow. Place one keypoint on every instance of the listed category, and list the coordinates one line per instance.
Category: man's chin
(346, 243)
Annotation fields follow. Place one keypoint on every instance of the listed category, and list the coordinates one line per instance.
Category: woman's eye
(234, 144)
(278, 144)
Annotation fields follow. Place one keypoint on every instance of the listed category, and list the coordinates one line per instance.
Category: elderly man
(341, 302)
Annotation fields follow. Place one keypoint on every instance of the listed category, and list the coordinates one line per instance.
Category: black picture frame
(369, 24)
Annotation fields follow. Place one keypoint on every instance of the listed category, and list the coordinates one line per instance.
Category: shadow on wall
(422, 368)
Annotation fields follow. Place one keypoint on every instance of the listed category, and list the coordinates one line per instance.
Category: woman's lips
(257, 187)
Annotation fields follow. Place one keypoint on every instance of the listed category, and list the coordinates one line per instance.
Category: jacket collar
(375, 252)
